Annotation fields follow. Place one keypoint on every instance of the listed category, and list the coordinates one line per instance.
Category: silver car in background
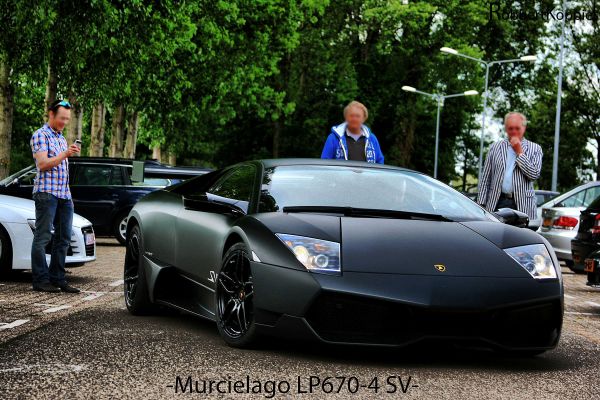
(560, 218)
(541, 198)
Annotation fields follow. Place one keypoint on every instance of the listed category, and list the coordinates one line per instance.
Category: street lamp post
(487, 64)
(439, 98)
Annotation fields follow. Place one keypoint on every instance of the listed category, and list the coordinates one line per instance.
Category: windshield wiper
(366, 212)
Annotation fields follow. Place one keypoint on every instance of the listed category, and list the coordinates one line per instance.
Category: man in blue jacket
(353, 140)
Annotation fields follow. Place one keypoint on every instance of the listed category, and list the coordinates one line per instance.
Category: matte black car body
(390, 291)
(586, 245)
(102, 189)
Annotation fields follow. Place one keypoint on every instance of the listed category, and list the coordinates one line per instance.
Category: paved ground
(87, 346)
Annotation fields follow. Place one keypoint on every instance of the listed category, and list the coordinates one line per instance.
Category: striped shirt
(56, 179)
(526, 170)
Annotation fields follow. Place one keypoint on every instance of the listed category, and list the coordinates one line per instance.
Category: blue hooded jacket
(337, 148)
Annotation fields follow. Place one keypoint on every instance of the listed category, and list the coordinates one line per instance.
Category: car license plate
(589, 265)
(547, 222)
(90, 238)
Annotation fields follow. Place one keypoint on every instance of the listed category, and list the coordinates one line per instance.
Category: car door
(95, 191)
(201, 234)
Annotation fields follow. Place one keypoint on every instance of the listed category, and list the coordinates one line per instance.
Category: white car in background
(17, 222)
(560, 218)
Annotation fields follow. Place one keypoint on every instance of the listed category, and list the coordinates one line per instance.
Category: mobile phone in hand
(78, 143)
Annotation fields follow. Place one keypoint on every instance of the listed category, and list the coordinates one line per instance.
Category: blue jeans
(51, 211)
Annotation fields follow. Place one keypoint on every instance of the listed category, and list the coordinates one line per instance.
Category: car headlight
(315, 254)
(31, 223)
(535, 259)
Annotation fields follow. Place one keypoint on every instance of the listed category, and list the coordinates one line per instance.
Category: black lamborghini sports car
(342, 252)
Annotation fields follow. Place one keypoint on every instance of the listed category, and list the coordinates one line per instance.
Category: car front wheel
(135, 287)
(235, 298)
(5, 253)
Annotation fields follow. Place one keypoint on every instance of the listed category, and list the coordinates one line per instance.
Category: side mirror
(16, 182)
(513, 217)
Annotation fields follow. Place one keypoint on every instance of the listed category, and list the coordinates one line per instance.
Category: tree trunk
(156, 153)
(118, 132)
(97, 133)
(51, 85)
(6, 117)
(406, 142)
(132, 132)
(172, 158)
(465, 168)
(598, 159)
(75, 127)
(276, 136)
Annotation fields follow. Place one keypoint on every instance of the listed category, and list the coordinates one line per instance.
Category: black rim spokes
(234, 295)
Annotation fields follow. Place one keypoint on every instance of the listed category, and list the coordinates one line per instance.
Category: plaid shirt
(55, 180)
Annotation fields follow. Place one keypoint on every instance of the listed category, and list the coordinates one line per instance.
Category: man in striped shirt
(53, 203)
(511, 167)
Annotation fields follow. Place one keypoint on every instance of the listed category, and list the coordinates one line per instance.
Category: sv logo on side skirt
(212, 277)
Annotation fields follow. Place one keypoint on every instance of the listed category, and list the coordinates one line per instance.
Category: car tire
(234, 298)
(571, 265)
(135, 287)
(5, 253)
(119, 227)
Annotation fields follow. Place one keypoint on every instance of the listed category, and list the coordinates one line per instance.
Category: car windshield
(12, 177)
(364, 188)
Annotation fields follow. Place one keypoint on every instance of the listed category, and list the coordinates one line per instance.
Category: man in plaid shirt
(53, 203)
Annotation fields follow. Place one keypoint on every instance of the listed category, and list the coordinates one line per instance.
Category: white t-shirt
(355, 136)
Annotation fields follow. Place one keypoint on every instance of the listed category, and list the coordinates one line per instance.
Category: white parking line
(55, 309)
(581, 313)
(116, 283)
(591, 303)
(45, 305)
(14, 324)
(93, 296)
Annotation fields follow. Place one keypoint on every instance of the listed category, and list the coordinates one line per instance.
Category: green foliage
(219, 82)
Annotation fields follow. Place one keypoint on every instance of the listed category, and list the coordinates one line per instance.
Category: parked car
(342, 252)
(542, 196)
(560, 219)
(102, 188)
(585, 247)
(17, 223)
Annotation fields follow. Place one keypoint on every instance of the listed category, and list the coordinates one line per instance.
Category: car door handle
(115, 196)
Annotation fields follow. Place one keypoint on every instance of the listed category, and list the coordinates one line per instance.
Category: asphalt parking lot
(88, 346)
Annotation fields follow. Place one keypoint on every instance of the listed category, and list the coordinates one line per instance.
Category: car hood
(79, 221)
(16, 209)
(17, 203)
(399, 246)
(19, 210)
(403, 246)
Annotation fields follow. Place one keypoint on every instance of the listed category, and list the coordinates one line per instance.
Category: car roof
(550, 192)
(112, 160)
(574, 190)
(278, 162)
(153, 166)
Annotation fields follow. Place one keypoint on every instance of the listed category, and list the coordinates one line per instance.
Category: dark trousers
(504, 202)
(50, 211)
